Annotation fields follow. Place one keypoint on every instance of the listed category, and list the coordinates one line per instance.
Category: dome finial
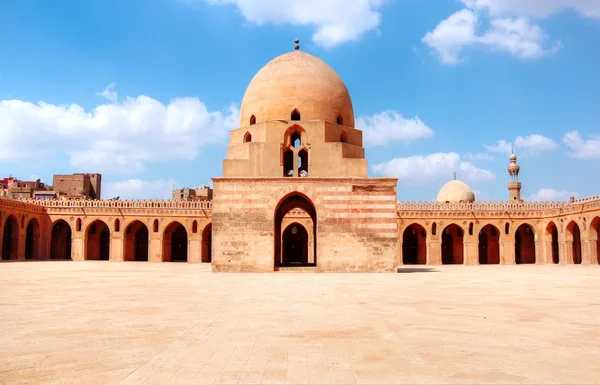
(455, 176)
(296, 44)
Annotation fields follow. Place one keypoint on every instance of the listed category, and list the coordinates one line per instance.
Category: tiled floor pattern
(140, 323)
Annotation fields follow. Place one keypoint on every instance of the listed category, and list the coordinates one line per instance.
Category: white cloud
(436, 167)
(516, 36)
(389, 126)
(551, 195)
(139, 189)
(110, 93)
(524, 145)
(478, 156)
(535, 8)
(336, 21)
(119, 137)
(583, 149)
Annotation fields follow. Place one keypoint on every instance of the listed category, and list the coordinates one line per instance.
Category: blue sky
(145, 91)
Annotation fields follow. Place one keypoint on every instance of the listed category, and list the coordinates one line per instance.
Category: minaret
(514, 186)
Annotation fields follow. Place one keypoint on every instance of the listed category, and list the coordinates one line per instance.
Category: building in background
(14, 188)
(78, 186)
(202, 193)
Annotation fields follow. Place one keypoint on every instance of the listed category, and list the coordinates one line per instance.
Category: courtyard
(174, 323)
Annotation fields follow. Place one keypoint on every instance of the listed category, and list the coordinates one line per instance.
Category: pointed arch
(339, 120)
(10, 238)
(434, 229)
(175, 243)
(471, 228)
(78, 224)
(453, 245)
(295, 115)
(595, 235)
(414, 245)
(574, 236)
(32, 239)
(207, 243)
(489, 245)
(97, 241)
(288, 245)
(136, 242)
(252, 120)
(194, 226)
(155, 226)
(117, 227)
(552, 234)
(248, 137)
(525, 244)
(60, 240)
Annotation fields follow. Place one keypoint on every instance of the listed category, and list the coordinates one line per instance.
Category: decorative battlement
(129, 204)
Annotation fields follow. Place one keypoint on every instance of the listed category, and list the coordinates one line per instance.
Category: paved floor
(133, 323)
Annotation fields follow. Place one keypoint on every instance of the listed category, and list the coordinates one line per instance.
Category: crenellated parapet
(20, 205)
(497, 209)
(130, 204)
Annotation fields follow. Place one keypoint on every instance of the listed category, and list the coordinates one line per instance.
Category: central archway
(452, 245)
(175, 243)
(489, 245)
(293, 243)
(524, 245)
(32, 240)
(414, 246)
(97, 240)
(136, 242)
(10, 238)
(60, 242)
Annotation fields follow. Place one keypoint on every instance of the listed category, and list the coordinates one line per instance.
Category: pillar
(21, 244)
(155, 249)
(539, 252)
(77, 246)
(508, 256)
(471, 251)
(195, 249)
(434, 252)
(116, 247)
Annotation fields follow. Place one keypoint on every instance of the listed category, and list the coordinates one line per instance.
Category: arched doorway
(452, 245)
(10, 238)
(207, 244)
(97, 240)
(489, 245)
(294, 245)
(414, 245)
(524, 245)
(552, 233)
(301, 239)
(60, 241)
(175, 243)
(136, 242)
(574, 235)
(32, 240)
(595, 234)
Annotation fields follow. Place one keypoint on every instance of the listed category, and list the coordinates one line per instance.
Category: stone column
(547, 252)
(434, 252)
(116, 247)
(539, 253)
(21, 245)
(508, 255)
(195, 248)
(399, 253)
(77, 246)
(155, 248)
(471, 252)
(567, 254)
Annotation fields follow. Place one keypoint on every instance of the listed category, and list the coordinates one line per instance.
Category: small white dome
(456, 191)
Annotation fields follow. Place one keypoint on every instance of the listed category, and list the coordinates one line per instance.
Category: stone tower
(514, 186)
(295, 190)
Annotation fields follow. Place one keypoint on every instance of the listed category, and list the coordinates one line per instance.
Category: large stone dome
(296, 81)
(456, 191)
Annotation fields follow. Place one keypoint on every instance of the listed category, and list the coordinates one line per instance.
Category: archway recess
(97, 241)
(60, 241)
(303, 234)
(452, 245)
(207, 244)
(574, 235)
(135, 246)
(414, 245)
(10, 238)
(489, 245)
(595, 234)
(175, 243)
(525, 245)
(552, 235)
(32, 240)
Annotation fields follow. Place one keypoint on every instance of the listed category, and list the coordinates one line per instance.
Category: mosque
(295, 195)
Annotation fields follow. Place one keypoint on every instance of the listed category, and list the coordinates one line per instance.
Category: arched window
(155, 226)
(78, 224)
(252, 120)
(344, 137)
(506, 228)
(433, 228)
(295, 115)
(296, 139)
(195, 227)
(339, 120)
(117, 225)
(471, 228)
(248, 137)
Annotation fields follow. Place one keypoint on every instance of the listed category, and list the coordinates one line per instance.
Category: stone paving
(141, 323)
